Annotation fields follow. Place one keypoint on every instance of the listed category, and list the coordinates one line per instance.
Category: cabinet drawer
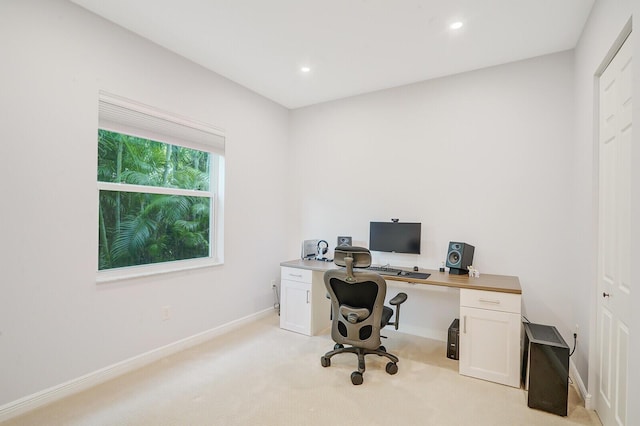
(491, 300)
(295, 274)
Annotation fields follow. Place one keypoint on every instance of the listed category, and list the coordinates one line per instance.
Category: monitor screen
(395, 237)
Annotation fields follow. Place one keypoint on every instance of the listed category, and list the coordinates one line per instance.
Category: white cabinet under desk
(490, 333)
(304, 307)
(490, 314)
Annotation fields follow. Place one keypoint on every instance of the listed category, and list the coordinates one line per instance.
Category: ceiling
(350, 46)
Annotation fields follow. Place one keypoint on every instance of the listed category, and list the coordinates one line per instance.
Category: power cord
(575, 343)
(276, 304)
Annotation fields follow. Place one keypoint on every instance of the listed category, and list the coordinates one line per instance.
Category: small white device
(309, 249)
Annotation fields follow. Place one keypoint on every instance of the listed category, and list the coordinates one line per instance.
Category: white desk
(490, 314)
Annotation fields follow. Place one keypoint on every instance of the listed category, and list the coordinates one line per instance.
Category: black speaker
(459, 257)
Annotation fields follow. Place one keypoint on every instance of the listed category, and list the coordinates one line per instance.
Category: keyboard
(385, 270)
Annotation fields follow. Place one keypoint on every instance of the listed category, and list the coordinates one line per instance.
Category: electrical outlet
(166, 313)
(273, 283)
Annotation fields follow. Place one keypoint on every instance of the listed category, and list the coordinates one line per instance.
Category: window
(160, 181)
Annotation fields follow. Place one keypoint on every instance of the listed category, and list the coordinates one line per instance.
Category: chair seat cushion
(387, 313)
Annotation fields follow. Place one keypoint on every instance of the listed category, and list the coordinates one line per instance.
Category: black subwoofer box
(546, 368)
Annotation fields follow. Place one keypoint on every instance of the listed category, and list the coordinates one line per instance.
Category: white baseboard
(577, 379)
(47, 396)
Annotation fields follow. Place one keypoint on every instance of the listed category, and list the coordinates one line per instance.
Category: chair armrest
(398, 299)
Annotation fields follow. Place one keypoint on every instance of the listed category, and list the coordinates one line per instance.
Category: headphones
(323, 247)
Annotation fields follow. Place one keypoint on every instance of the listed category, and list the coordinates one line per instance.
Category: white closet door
(614, 268)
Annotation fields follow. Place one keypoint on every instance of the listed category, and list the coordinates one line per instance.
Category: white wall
(604, 26)
(56, 323)
(482, 157)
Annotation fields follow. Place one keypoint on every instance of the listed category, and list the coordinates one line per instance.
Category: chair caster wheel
(356, 378)
(338, 346)
(392, 368)
(325, 361)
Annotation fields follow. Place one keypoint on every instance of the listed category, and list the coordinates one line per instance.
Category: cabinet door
(490, 345)
(295, 306)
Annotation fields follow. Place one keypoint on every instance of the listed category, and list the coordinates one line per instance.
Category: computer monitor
(395, 237)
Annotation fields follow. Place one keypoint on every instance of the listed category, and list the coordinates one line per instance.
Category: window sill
(133, 272)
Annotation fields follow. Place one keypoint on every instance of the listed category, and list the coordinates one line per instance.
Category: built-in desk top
(487, 282)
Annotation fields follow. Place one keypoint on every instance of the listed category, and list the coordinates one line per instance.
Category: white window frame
(121, 115)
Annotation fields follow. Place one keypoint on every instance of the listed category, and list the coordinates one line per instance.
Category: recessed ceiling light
(456, 25)
(305, 69)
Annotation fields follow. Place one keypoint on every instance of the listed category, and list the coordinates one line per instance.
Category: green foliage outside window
(138, 227)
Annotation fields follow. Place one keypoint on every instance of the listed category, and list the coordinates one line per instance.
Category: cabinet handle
(464, 324)
(307, 296)
(492, 301)
(294, 275)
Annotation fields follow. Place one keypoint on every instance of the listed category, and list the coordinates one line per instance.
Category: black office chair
(358, 311)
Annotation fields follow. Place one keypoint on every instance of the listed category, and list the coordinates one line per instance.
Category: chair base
(356, 376)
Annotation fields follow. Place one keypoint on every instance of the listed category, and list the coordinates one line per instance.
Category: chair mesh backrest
(356, 289)
(360, 295)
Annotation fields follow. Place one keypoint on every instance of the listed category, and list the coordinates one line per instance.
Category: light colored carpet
(262, 375)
